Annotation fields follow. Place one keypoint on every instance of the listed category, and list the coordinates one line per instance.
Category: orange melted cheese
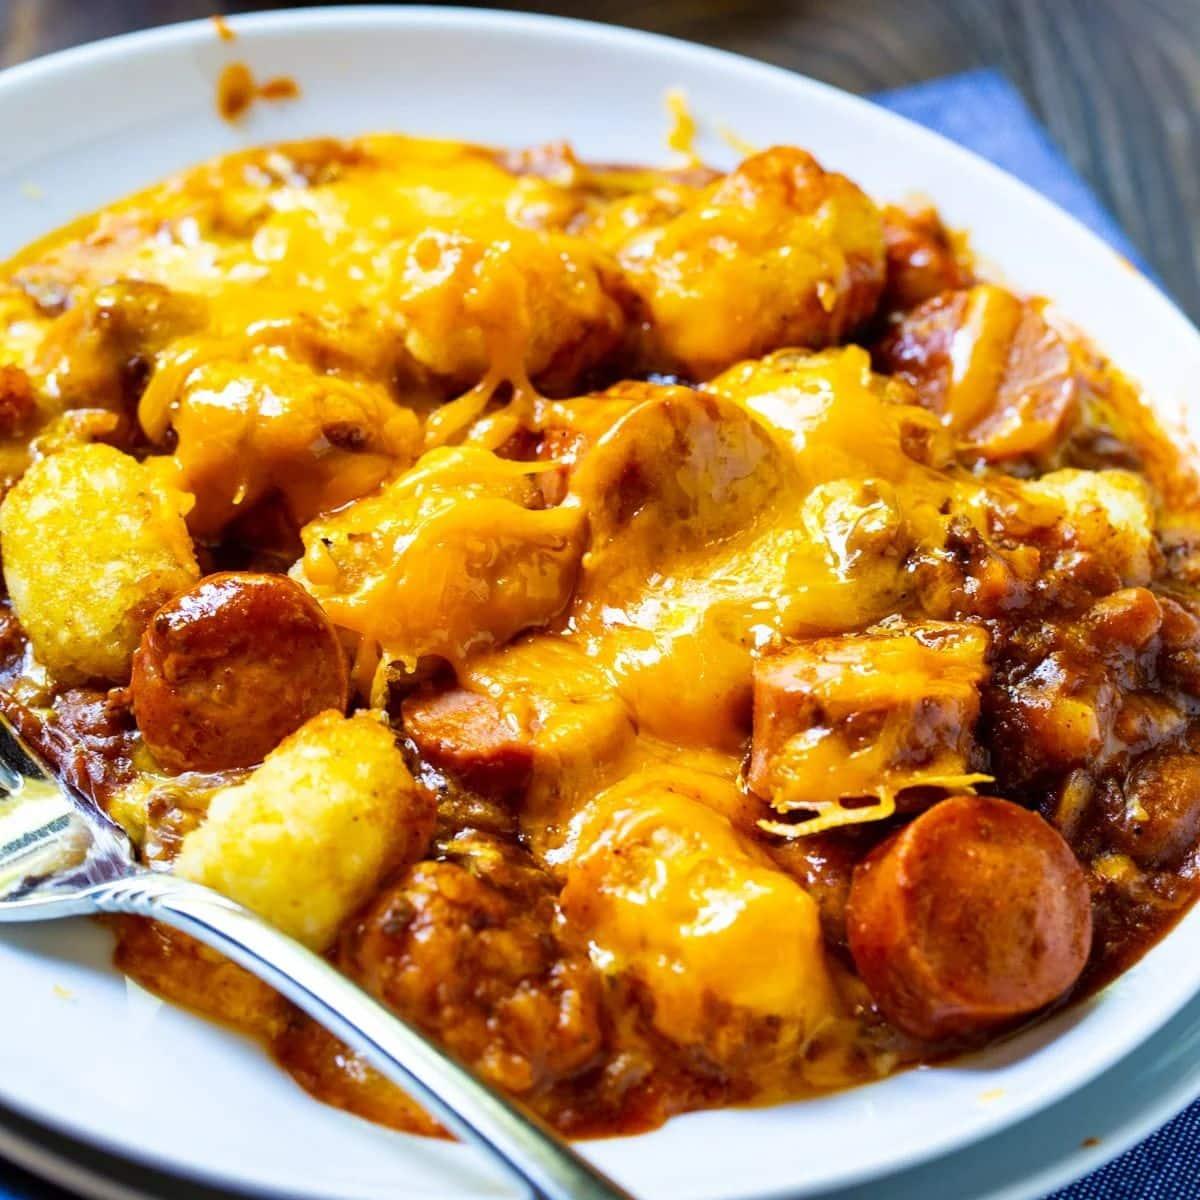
(788, 506)
(651, 848)
(447, 560)
(978, 353)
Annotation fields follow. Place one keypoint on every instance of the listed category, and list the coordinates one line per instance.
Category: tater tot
(454, 557)
(92, 546)
(536, 303)
(1108, 514)
(306, 839)
(777, 253)
(668, 892)
(247, 429)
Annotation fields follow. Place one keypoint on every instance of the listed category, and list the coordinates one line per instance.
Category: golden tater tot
(92, 546)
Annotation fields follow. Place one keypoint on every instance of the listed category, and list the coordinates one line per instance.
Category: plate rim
(266, 20)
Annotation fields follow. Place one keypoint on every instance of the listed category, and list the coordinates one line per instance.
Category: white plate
(80, 1052)
(1026, 1161)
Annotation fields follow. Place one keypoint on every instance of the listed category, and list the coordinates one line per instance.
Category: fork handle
(524, 1145)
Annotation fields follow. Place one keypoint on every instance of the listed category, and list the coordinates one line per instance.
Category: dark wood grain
(1117, 82)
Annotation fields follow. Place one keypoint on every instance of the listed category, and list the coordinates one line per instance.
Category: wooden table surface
(1117, 82)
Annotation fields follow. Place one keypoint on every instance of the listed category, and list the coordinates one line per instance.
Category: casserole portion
(682, 639)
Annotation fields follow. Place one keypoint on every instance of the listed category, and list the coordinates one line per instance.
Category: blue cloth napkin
(984, 112)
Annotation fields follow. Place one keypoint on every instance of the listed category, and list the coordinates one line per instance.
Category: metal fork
(60, 856)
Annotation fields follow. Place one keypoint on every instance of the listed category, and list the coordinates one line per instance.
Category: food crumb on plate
(681, 137)
(237, 90)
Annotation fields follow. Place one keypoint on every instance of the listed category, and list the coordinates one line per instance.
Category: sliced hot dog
(229, 668)
(992, 366)
(921, 258)
(973, 915)
(467, 734)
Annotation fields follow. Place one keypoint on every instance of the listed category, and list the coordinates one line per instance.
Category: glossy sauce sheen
(707, 647)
